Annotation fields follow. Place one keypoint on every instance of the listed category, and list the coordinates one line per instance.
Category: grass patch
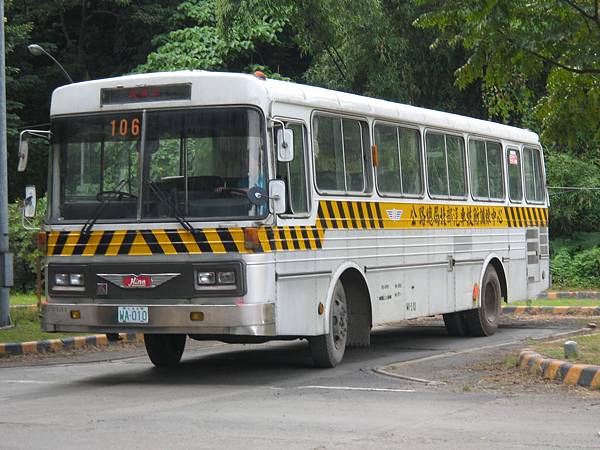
(27, 328)
(589, 349)
(18, 298)
(559, 302)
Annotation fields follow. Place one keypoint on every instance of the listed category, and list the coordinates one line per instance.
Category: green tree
(91, 38)
(368, 47)
(196, 43)
(538, 62)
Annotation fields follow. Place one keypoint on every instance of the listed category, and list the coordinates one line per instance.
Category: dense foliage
(23, 245)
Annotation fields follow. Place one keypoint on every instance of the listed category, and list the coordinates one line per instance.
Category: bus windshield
(197, 163)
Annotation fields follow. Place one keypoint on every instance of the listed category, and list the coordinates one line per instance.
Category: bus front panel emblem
(138, 281)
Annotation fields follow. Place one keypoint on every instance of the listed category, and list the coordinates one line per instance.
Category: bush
(580, 270)
(23, 245)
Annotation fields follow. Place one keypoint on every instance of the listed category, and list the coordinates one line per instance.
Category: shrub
(23, 245)
(578, 270)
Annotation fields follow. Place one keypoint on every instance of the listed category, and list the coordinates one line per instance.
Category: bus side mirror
(23, 153)
(30, 203)
(258, 196)
(285, 145)
(24, 145)
(277, 195)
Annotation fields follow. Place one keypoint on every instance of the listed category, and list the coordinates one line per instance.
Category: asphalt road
(269, 397)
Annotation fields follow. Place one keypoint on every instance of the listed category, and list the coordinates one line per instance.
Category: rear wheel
(483, 321)
(164, 350)
(456, 324)
(328, 349)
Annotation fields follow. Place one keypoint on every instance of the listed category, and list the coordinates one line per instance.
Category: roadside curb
(20, 348)
(25, 307)
(586, 375)
(570, 294)
(555, 310)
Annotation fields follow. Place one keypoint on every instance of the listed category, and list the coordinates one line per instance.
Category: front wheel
(483, 321)
(164, 350)
(328, 349)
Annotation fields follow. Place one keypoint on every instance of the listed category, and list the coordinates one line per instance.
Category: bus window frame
(364, 125)
(465, 164)
(489, 199)
(397, 125)
(194, 220)
(307, 172)
(542, 170)
(507, 148)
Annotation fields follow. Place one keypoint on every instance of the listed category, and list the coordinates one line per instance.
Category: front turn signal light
(197, 316)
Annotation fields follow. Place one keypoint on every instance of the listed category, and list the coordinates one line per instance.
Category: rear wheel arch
(496, 262)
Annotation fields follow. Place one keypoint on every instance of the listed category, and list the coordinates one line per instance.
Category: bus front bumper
(242, 319)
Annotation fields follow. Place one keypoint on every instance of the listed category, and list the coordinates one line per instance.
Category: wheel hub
(339, 323)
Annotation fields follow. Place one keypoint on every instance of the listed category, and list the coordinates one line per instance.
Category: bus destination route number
(125, 127)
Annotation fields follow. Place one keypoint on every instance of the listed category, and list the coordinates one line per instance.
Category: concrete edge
(553, 310)
(21, 348)
(586, 375)
(570, 294)
(26, 307)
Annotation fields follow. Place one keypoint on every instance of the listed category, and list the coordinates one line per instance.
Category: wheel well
(358, 300)
(495, 262)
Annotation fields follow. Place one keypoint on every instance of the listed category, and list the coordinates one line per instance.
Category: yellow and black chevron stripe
(332, 215)
(173, 242)
(526, 217)
(145, 242)
(372, 215)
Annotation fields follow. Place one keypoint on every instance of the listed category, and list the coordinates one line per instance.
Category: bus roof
(219, 88)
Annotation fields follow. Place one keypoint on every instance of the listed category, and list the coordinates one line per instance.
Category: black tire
(164, 350)
(483, 321)
(113, 337)
(328, 349)
(456, 324)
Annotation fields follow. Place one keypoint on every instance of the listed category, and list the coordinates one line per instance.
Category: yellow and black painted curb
(20, 348)
(553, 310)
(331, 215)
(24, 307)
(571, 294)
(555, 369)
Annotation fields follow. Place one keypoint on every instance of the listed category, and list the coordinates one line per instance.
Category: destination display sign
(149, 93)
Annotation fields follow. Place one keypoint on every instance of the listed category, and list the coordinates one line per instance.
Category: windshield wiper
(165, 199)
(87, 227)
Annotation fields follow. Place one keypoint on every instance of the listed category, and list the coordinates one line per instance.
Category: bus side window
(485, 159)
(533, 175)
(294, 172)
(339, 149)
(515, 183)
(399, 168)
(455, 148)
(445, 165)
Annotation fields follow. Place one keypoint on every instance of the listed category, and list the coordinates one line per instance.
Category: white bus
(244, 209)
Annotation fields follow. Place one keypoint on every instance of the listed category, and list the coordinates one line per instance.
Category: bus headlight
(220, 279)
(61, 279)
(65, 280)
(206, 278)
(226, 277)
(76, 279)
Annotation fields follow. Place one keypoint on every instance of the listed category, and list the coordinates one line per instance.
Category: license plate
(133, 314)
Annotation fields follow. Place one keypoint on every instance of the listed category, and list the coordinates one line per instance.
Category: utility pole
(6, 262)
